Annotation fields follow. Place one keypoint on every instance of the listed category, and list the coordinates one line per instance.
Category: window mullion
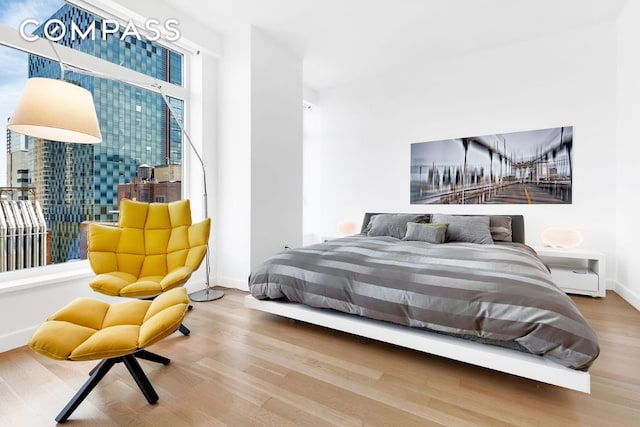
(10, 37)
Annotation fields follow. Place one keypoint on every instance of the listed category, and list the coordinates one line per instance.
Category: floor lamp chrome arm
(206, 294)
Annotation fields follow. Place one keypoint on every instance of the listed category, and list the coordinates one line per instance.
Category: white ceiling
(341, 40)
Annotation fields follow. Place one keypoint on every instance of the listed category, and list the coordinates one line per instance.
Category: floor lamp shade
(56, 110)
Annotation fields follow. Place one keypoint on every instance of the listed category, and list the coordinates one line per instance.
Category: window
(74, 183)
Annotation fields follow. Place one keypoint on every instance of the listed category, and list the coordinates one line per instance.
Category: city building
(161, 184)
(17, 166)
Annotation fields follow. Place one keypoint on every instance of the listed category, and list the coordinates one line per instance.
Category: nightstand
(575, 271)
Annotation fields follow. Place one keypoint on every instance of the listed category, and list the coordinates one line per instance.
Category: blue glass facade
(76, 182)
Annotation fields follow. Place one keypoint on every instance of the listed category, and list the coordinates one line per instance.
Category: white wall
(259, 209)
(233, 214)
(627, 230)
(565, 79)
(276, 148)
(311, 172)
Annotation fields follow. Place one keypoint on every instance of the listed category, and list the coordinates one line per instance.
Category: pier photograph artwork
(530, 167)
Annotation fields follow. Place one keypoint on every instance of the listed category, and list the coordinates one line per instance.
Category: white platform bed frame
(488, 356)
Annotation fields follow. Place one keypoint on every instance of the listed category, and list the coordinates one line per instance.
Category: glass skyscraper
(76, 182)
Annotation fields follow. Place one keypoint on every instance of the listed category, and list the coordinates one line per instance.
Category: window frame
(10, 38)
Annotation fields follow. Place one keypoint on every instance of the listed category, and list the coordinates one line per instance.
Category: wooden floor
(243, 368)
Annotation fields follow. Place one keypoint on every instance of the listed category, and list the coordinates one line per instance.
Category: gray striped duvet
(498, 294)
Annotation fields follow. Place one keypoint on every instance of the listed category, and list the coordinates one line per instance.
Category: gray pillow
(466, 228)
(393, 225)
(500, 227)
(430, 233)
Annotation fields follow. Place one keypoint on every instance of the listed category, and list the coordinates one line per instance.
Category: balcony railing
(23, 235)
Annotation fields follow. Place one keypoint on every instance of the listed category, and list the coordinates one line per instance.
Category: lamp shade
(559, 237)
(347, 228)
(56, 110)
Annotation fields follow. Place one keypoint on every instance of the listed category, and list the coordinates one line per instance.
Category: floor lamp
(57, 110)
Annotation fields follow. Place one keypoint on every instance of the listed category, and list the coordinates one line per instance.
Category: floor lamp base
(206, 294)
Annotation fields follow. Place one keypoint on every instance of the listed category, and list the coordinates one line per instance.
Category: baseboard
(195, 285)
(229, 282)
(16, 339)
(628, 294)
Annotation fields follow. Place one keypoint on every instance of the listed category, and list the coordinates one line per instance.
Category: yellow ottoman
(90, 329)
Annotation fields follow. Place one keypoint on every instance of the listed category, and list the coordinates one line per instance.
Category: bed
(465, 287)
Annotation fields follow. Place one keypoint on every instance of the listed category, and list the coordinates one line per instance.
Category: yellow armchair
(154, 248)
